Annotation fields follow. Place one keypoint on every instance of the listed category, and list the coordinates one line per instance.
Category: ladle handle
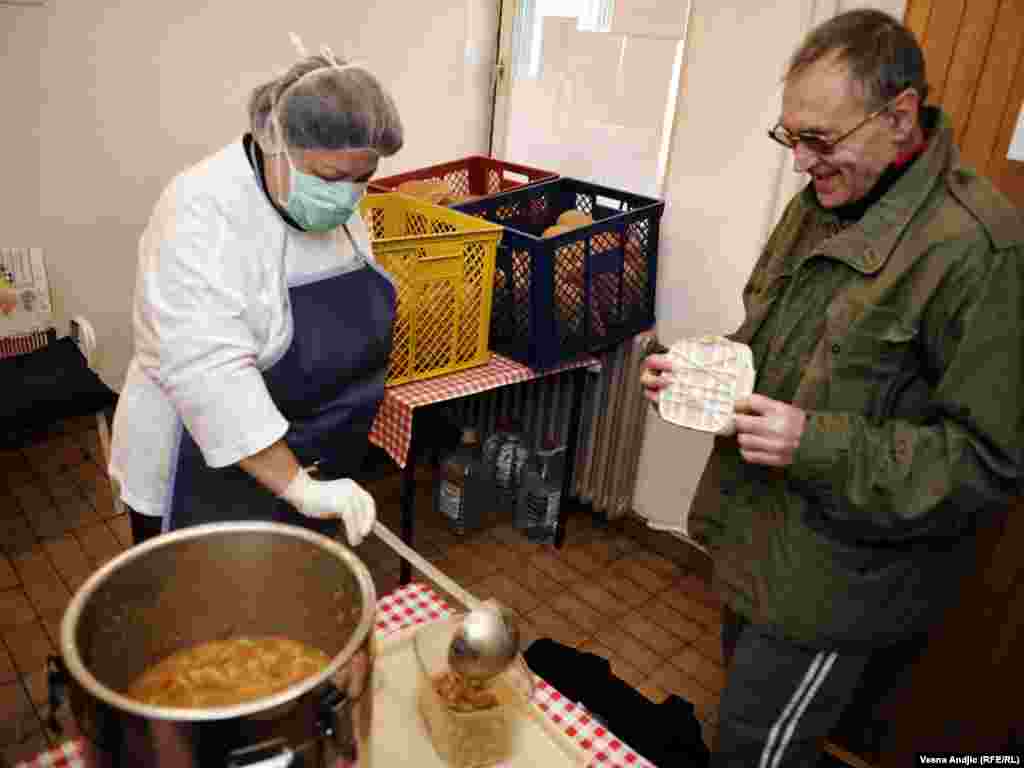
(420, 563)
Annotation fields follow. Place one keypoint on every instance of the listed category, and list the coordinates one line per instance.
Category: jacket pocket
(870, 358)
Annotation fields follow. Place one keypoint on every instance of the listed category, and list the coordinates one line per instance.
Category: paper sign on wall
(1017, 142)
(24, 292)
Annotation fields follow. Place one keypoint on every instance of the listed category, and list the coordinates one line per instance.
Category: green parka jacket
(902, 336)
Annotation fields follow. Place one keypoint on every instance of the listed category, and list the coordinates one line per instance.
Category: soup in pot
(225, 673)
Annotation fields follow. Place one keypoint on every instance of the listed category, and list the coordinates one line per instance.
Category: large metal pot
(211, 582)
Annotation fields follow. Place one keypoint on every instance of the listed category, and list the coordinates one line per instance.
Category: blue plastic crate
(580, 291)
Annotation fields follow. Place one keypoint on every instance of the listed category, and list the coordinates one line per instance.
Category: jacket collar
(867, 245)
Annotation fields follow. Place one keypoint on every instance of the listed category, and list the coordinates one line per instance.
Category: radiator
(611, 424)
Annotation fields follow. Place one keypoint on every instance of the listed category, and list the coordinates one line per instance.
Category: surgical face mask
(317, 205)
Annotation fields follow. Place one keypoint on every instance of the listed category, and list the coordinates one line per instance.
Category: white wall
(105, 100)
(21, 29)
(726, 185)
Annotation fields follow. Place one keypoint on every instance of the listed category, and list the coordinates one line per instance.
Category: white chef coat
(211, 312)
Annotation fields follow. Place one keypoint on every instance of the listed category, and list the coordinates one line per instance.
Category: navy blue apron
(328, 385)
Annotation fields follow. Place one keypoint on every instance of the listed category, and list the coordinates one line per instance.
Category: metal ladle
(487, 640)
(484, 644)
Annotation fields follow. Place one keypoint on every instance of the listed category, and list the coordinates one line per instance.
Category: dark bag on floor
(667, 734)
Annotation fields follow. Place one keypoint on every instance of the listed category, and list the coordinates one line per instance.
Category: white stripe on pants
(780, 701)
(812, 681)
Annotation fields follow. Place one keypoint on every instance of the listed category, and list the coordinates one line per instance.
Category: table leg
(579, 382)
(408, 514)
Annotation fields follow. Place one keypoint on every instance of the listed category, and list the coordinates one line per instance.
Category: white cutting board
(399, 737)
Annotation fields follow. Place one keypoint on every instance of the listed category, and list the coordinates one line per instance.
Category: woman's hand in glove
(331, 499)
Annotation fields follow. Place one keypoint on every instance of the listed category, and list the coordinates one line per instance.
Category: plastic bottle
(493, 443)
(509, 463)
(459, 492)
(524, 515)
(540, 502)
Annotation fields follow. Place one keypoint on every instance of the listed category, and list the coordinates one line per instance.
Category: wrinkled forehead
(821, 97)
(338, 163)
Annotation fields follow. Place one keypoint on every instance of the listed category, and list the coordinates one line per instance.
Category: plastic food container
(711, 374)
(462, 737)
(442, 263)
(468, 178)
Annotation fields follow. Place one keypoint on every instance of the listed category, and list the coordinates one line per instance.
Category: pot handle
(57, 677)
(269, 754)
(334, 721)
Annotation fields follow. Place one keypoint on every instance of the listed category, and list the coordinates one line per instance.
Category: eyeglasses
(818, 144)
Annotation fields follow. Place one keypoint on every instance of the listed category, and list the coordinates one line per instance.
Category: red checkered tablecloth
(67, 755)
(418, 604)
(392, 429)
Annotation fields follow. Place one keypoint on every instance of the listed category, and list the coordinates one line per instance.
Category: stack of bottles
(504, 476)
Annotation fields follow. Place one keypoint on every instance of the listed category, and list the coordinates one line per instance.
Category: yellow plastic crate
(443, 265)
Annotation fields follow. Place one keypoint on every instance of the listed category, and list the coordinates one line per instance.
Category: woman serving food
(262, 325)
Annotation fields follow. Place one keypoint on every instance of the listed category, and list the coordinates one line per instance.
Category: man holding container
(885, 317)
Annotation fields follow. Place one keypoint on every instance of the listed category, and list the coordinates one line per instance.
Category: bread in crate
(570, 270)
(436, 191)
(710, 373)
(461, 181)
(575, 272)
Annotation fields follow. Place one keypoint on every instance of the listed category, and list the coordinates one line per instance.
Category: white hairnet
(325, 103)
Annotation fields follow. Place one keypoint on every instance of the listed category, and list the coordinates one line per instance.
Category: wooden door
(964, 692)
(974, 55)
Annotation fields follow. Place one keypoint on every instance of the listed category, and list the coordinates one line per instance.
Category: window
(528, 32)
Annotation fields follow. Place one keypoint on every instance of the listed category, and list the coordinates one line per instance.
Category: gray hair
(882, 55)
(322, 104)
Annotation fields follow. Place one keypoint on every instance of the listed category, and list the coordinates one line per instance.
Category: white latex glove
(332, 499)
